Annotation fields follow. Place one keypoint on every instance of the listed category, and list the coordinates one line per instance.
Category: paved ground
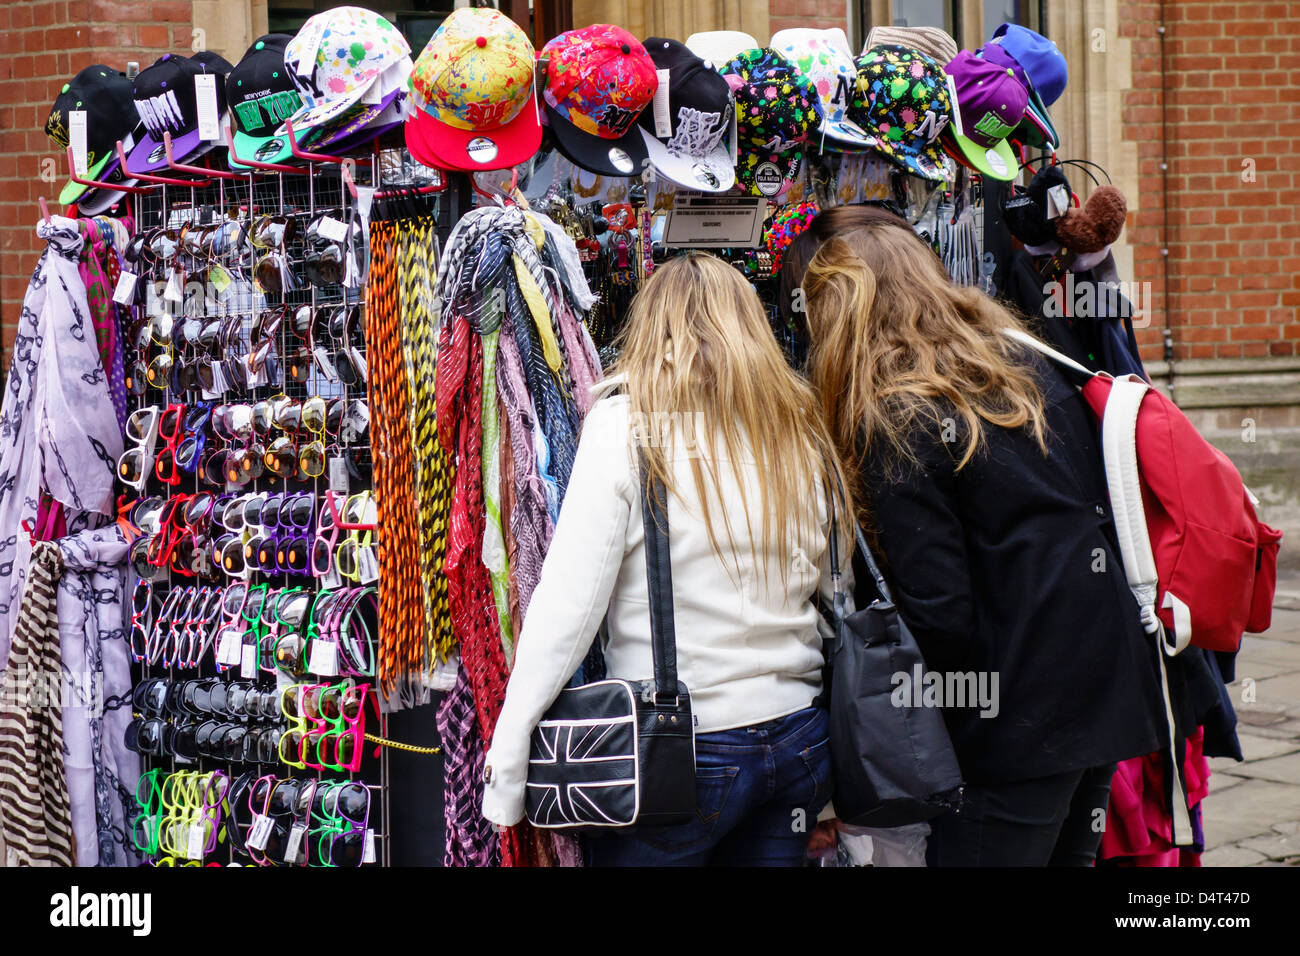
(1252, 815)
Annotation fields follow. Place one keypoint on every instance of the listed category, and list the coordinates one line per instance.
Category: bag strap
(1027, 340)
(659, 582)
(861, 545)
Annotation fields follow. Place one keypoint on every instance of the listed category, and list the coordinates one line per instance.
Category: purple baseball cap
(1036, 129)
(988, 104)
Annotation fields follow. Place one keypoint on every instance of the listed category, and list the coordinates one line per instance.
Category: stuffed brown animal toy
(1097, 224)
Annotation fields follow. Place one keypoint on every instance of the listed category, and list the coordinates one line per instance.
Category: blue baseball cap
(1042, 62)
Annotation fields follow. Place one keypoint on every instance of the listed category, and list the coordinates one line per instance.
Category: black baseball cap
(166, 102)
(695, 154)
(105, 96)
(261, 94)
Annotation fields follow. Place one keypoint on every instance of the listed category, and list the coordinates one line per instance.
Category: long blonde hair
(697, 343)
(896, 346)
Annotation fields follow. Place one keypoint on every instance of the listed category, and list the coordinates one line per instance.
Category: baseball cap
(934, 42)
(777, 112)
(694, 153)
(386, 93)
(990, 103)
(105, 96)
(1036, 128)
(720, 46)
(598, 80)
(904, 105)
(166, 102)
(261, 95)
(335, 61)
(1044, 63)
(472, 87)
(823, 56)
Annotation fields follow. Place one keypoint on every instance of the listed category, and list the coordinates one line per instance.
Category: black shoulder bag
(621, 753)
(892, 764)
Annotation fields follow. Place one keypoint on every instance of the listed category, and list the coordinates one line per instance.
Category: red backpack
(1198, 559)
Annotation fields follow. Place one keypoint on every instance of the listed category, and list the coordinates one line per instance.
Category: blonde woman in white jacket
(737, 439)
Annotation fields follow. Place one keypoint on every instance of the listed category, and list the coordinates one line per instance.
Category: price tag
(124, 291)
(323, 361)
(338, 476)
(359, 362)
(195, 843)
(358, 417)
(332, 580)
(205, 92)
(365, 198)
(173, 292)
(445, 673)
(77, 140)
(335, 230)
(229, 647)
(663, 120)
(1058, 201)
(324, 659)
(368, 566)
(260, 833)
(248, 661)
(733, 135)
(309, 42)
(219, 278)
(368, 855)
(293, 850)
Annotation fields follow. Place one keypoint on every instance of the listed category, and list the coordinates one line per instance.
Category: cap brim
(843, 135)
(72, 192)
(625, 156)
(149, 155)
(712, 173)
(996, 162)
(351, 126)
(929, 162)
(441, 146)
(323, 114)
(769, 175)
(1037, 125)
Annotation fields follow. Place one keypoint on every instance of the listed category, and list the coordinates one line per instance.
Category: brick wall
(1233, 96)
(820, 14)
(47, 42)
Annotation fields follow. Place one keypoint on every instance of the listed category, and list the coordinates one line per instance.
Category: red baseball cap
(598, 80)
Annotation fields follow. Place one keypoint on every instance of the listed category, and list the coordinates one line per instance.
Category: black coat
(994, 568)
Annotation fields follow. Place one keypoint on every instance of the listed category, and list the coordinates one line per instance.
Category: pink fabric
(1138, 823)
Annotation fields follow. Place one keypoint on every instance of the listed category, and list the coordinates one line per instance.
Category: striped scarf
(35, 810)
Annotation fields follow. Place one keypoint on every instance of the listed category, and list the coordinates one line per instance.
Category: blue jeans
(759, 790)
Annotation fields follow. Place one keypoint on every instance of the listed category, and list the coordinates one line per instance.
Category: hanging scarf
(35, 816)
(58, 431)
(470, 839)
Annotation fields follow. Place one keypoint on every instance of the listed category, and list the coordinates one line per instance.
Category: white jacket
(748, 647)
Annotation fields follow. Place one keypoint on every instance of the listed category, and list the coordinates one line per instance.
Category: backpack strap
(1119, 455)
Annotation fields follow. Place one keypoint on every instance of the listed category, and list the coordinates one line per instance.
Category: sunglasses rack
(249, 343)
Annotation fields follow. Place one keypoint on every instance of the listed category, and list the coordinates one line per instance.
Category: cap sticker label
(480, 149)
(621, 161)
(768, 179)
(996, 162)
(268, 149)
(705, 176)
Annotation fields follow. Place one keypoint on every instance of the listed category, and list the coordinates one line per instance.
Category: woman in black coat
(976, 466)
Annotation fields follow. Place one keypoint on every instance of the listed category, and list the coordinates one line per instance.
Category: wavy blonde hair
(697, 343)
(895, 346)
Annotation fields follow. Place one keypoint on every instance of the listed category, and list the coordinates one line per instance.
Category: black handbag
(892, 764)
(621, 753)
